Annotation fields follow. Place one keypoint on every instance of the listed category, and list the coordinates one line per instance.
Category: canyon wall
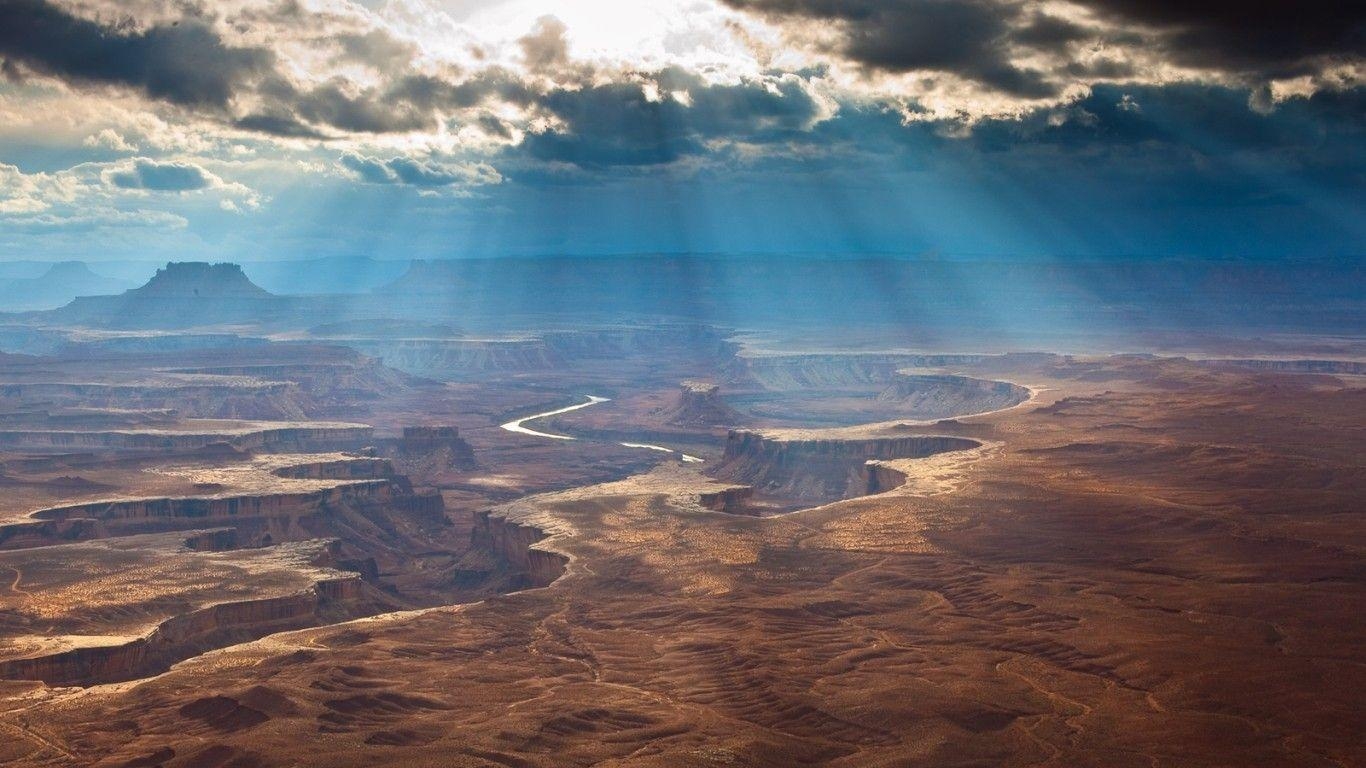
(190, 634)
(819, 470)
(511, 543)
(268, 517)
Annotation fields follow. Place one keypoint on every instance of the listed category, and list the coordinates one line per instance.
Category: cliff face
(511, 543)
(270, 517)
(882, 478)
(817, 471)
(190, 634)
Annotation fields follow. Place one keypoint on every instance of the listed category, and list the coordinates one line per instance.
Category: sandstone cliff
(819, 470)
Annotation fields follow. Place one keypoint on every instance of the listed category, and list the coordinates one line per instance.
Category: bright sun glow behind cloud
(643, 34)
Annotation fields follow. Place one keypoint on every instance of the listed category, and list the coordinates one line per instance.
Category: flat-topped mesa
(182, 295)
(700, 405)
(199, 279)
(821, 470)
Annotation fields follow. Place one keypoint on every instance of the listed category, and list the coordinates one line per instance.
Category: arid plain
(331, 548)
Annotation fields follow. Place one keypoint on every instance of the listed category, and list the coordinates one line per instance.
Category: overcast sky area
(268, 129)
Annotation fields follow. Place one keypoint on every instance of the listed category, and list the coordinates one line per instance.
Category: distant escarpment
(1346, 367)
(214, 397)
(813, 471)
(833, 371)
(466, 358)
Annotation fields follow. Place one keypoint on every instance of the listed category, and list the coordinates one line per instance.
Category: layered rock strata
(819, 470)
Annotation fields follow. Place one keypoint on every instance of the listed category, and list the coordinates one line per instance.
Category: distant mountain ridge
(59, 284)
(327, 275)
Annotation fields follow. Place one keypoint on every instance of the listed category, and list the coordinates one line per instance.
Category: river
(517, 426)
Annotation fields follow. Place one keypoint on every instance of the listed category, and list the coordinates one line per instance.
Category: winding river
(518, 426)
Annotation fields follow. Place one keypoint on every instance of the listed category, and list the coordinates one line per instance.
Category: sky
(251, 130)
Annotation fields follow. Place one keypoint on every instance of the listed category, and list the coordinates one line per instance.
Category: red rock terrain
(1152, 562)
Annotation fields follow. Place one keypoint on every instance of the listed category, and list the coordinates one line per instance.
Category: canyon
(271, 533)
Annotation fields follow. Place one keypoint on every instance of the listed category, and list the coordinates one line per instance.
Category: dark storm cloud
(184, 64)
(188, 64)
(161, 176)
(975, 38)
(969, 38)
(281, 125)
(617, 124)
(1270, 38)
(408, 102)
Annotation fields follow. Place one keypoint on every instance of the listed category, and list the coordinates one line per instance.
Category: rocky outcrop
(819, 470)
(734, 500)
(700, 405)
